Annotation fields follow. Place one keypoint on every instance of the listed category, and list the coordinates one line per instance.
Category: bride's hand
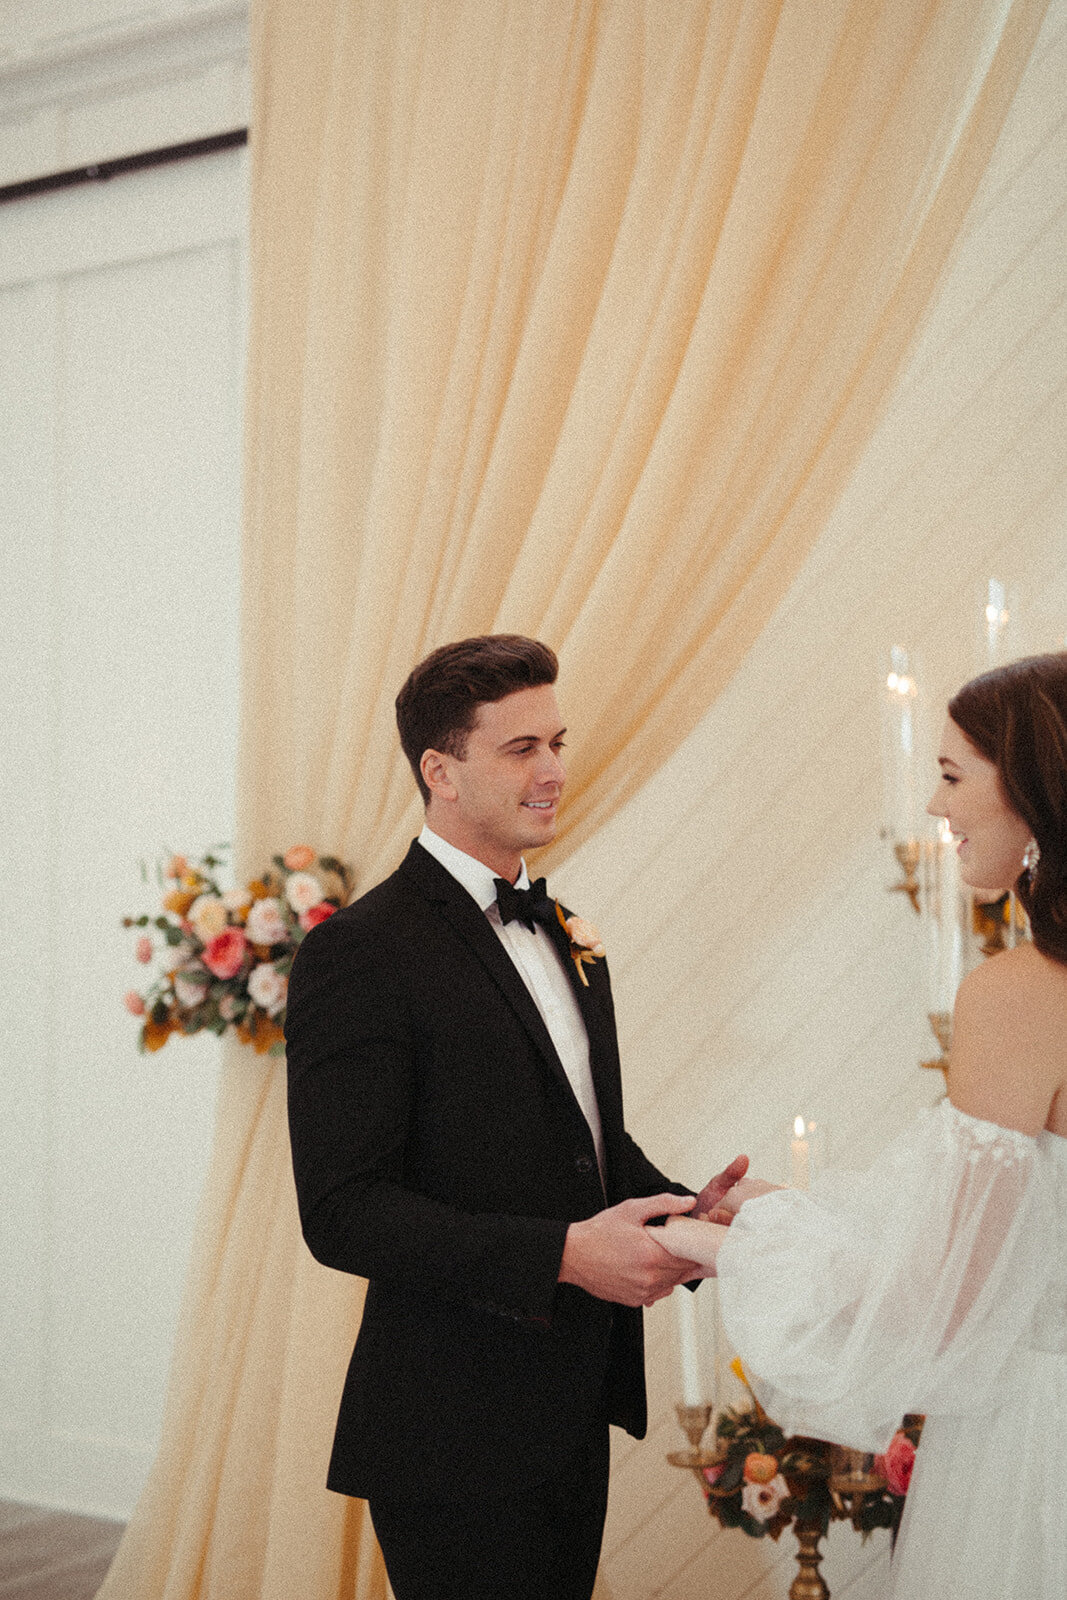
(727, 1207)
(696, 1242)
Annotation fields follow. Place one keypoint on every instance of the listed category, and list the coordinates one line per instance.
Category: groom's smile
(502, 795)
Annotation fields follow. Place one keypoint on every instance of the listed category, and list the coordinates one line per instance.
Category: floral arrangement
(225, 954)
(762, 1482)
(586, 943)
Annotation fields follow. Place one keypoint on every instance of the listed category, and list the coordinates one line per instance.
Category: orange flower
(259, 890)
(268, 1033)
(299, 858)
(178, 901)
(261, 1033)
(759, 1468)
(154, 1035)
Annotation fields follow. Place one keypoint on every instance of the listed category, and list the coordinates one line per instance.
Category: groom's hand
(709, 1202)
(614, 1256)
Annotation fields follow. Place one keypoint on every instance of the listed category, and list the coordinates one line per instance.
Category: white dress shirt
(538, 964)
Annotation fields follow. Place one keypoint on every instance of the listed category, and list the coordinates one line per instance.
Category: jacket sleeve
(352, 1066)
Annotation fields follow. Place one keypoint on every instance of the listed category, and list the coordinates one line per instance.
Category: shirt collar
(478, 879)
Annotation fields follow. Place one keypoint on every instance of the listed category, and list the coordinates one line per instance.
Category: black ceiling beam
(101, 171)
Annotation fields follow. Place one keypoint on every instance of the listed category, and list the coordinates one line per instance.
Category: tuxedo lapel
(470, 923)
(597, 1014)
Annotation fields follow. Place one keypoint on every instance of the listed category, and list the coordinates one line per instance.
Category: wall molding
(82, 61)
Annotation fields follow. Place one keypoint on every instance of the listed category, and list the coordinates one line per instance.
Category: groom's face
(503, 797)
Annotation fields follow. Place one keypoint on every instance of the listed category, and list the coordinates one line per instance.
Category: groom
(456, 1117)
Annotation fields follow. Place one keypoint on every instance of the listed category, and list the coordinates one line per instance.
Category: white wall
(121, 321)
(759, 966)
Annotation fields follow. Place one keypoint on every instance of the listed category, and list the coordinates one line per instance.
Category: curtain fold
(569, 319)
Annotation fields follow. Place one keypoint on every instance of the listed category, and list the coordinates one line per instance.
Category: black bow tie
(525, 905)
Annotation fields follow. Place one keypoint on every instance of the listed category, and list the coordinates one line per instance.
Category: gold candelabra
(941, 1023)
(847, 1475)
(908, 854)
(694, 1421)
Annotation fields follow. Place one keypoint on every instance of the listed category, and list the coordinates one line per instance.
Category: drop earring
(1031, 857)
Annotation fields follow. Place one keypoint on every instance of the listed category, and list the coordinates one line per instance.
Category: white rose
(585, 935)
(761, 1500)
(208, 916)
(303, 891)
(237, 900)
(265, 924)
(267, 987)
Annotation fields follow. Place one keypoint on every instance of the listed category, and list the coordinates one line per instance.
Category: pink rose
(227, 1008)
(133, 1003)
(761, 1500)
(225, 953)
(143, 951)
(265, 924)
(177, 867)
(316, 914)
(299, 857)
(714, 1473)
(268, 988)
(897, 1464)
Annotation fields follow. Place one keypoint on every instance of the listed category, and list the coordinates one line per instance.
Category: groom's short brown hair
(437, 707)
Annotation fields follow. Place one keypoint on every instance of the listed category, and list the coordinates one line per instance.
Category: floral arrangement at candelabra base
(763, 1482)
(225, 954)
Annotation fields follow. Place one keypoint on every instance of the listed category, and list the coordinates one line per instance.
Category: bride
(937, 1282)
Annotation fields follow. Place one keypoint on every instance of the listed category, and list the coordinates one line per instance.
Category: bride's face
(992, 837)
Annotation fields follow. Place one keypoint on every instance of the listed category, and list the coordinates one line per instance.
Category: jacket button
(583, 1164)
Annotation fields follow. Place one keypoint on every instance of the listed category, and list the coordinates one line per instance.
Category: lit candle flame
(798, 1128)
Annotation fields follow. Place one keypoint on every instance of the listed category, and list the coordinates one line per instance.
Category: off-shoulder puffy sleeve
(911, 1287)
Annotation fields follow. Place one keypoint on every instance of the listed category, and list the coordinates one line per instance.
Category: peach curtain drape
(567, 318)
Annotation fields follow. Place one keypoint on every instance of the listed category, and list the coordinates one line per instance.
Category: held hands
(614, 1256)
(699, 1236)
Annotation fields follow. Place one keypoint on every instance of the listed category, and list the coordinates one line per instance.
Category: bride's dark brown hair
(1016, 716)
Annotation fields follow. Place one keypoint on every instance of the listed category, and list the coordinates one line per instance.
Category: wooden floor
(53, 1555)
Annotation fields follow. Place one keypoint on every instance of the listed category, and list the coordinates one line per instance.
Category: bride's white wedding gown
(937, 1283)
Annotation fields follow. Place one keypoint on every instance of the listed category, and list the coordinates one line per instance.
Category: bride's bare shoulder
(1015, 979)
(1007, 1056)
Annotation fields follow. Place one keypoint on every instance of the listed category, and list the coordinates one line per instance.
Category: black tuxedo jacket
(439, 1152)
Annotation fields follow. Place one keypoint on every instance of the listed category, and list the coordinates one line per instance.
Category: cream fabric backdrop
(571, 319)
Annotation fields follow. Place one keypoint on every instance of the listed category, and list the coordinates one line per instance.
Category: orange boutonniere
(586, 943)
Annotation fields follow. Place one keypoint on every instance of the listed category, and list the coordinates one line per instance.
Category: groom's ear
(434, 767)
